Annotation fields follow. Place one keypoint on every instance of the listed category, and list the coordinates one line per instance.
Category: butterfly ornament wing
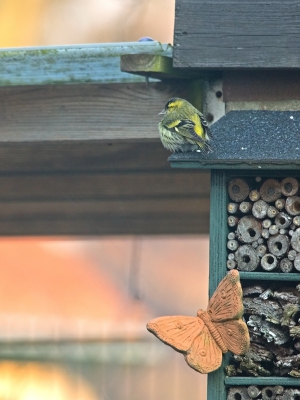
(204, 354)
(202, 339)
(190, 336)
(178, 332)
(226, 310)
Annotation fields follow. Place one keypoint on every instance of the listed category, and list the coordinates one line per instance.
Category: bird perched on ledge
(183, 128)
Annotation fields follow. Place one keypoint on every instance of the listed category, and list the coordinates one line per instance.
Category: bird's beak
(162, 112)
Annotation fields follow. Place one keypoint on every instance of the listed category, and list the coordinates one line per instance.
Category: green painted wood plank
(227, 164)
(270, 276)
(94, 63)
(262, 380)
(217, 267)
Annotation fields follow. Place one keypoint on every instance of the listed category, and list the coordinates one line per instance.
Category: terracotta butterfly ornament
(203, 339)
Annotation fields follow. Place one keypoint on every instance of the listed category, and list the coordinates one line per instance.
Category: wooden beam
(105, 218)
(261, 86)
(154, 66)
(84, 112)
(237, 34)
(94, 63)
(98, 186)
(86, 159)
(111, 202)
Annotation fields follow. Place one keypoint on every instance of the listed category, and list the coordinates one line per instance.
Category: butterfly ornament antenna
(212, 329)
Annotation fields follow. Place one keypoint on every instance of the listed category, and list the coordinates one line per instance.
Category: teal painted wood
(258, 166)
(94, 63)
(262, 380)
(270, 276)
(217, 268)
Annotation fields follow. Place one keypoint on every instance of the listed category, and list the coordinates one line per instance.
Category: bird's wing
(184, 127)
(205, 126)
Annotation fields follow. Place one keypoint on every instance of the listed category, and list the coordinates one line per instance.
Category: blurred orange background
(101, 290)
(56, 22)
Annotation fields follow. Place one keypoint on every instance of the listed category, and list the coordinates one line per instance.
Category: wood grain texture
(106, 202)
(93, 63)
(217, 264)
(87, 159)
(84, 112)
(83, 155)
(154, 66)
(98, 186)
(89, 224)
(237, 34)
(62, 214)
(261, 85)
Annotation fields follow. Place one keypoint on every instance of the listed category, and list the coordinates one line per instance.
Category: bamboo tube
(283, 220)
(297, 262)
(286, 265)
(239, 392)
(296, 220)
(253, 391)
(259, 209)
(238, 189)
(245, 207)
(232, 244)
(270, 190)
(265, 233)
(247, 258)
(232, 208)
(269, 262)
(292, 205)
(232, 221)
(231, 264)
(261, 250)
(279, 204)
(295, 240)
(266, 223)
(273, 230)
(254, 195)
(267, 393)
(248, 229)
(278, 245)
(292, 255)
(272, 212)
(289, 186)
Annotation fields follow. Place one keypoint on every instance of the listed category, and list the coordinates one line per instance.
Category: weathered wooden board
(77, 220)
(92, 63)
(82, 155)
(104, 185)
(237, 34)
(84, 112)
(261, 85)
(87, 159)
(127, 202)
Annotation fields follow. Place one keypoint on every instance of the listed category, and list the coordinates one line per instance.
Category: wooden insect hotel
(255, 196)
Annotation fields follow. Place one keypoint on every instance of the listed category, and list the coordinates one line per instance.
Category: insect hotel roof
(249, 140)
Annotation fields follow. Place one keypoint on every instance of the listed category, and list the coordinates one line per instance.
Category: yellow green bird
(183, 127)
